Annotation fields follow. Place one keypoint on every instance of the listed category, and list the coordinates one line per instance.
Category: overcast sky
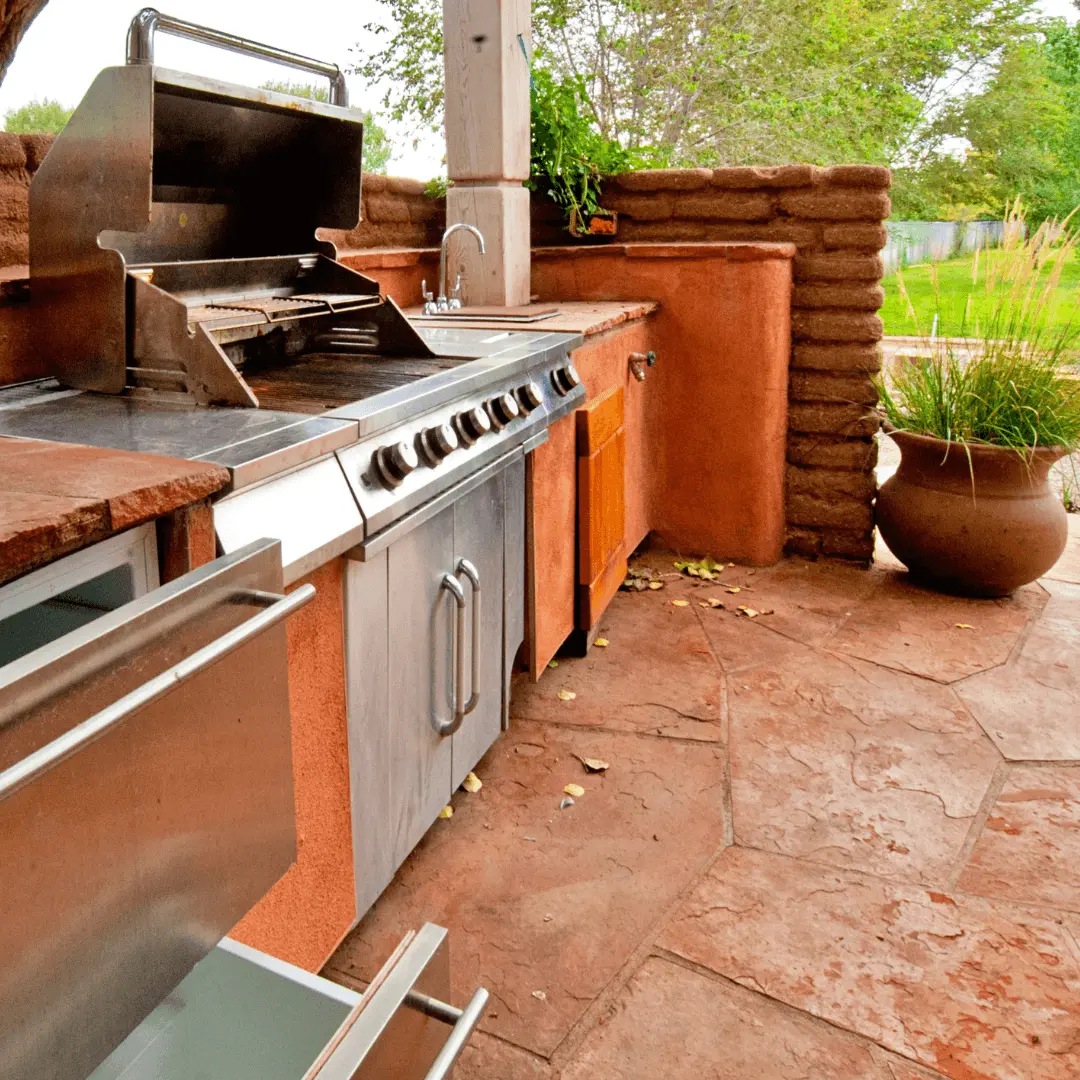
(71, 40)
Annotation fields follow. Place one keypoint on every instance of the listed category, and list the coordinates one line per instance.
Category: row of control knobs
(394, 462)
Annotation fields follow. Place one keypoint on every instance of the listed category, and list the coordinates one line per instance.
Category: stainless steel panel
(370, 736)
(311, 510)
(125, 862)
(380, 541)
(253, 443)
(239, 1015)
(399, 1030)
(421, 627)
(513, 576)
(478, 537)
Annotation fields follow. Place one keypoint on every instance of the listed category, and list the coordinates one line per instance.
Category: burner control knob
(502, 410)
(436, 442)
(471, 425)
(393, 463)
(564, 379)
(529, 397)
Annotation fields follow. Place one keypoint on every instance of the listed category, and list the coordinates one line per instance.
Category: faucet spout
(443, 303)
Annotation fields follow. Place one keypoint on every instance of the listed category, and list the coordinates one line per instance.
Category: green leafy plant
(46, 117)
(570, 158)
(1010, 383)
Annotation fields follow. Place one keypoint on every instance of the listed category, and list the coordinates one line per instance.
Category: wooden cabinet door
(601, 454)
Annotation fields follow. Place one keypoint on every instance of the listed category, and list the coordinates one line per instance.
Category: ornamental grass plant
(1013, 382)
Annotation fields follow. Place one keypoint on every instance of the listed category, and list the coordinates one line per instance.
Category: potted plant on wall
(570, 156)
(980, 424)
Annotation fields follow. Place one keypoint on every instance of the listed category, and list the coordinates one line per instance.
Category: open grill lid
(173, 229)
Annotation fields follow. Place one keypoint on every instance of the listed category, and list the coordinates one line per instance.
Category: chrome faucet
(433, 306)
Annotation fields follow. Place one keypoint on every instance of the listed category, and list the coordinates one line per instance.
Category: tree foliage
(729, 81)
(378, 147)
(45, 117)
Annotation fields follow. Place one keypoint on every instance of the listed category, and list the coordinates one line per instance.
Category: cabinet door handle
(465, 567)
(448, 727)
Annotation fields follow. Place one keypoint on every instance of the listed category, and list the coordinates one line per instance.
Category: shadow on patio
(838, 839)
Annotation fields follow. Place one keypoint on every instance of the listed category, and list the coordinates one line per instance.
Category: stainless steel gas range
(188, 308)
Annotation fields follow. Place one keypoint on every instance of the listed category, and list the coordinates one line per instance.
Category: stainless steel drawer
(145, 805)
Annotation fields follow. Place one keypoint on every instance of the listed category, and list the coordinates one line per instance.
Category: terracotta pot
(977, 527)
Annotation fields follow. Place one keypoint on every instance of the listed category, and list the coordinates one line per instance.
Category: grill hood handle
(140, 48)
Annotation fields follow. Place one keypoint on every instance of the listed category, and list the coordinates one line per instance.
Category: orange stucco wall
(718, 394)
(307, 913)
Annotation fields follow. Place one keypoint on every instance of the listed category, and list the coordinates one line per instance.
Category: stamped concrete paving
(837, 840)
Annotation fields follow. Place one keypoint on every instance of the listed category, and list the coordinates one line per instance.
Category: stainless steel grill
(192, 257)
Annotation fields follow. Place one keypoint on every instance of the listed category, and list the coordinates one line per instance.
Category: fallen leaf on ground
(553, 663)
(576, 790)
(594, 764)
(566, 803)
(472, 783)
(964, 626)
(711, 602)
(548, 918)
(446, 812)
(752, 613)
(654, 585)
(733, 589)
(680, 603)
(566, 695)
(539, 995)
(601, 643)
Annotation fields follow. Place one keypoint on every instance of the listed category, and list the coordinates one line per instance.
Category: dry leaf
(654, 585)
(576, 790)
(713, 602)
(594, 764)
(548, 918)
(749, 612)
(566, 695)
(446, 813)
(539, 995)
(680, 603)
(472, 783)
(553, 663)
(601, 643)
(734, 589)
(964, 626)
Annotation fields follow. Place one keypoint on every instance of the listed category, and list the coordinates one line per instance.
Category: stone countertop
(575, 317)
(58, 497)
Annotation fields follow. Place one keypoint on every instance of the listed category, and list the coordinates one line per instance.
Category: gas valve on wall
(639, 362)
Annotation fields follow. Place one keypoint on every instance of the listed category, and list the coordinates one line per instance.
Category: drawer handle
(93, 728)
(465, 567)
(464, 1023)
(443, 727)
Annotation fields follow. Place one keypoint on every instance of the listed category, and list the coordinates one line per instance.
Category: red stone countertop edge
(58, 497)
(586, 317)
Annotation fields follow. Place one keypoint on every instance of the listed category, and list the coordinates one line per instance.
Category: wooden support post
(486, 48)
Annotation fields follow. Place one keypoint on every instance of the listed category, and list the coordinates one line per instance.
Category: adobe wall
(834, 216)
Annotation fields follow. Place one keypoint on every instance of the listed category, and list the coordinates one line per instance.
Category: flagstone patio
(838, 840)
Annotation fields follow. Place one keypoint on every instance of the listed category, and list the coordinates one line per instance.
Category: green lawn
(954, 288)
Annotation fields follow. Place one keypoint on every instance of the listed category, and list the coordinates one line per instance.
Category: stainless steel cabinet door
(421, 624)
(478, 538)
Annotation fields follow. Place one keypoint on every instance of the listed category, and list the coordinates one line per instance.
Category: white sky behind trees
(72, 40)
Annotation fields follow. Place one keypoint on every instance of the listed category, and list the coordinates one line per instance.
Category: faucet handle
(430, 307)
(455, 295)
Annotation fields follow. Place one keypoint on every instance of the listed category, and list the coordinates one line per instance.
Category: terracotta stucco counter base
(717, 398)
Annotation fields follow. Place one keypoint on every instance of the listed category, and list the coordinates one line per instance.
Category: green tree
(378, 146)
(45, 117)
(731, 81)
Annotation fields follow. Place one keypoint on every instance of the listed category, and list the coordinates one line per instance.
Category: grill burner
(323, 381)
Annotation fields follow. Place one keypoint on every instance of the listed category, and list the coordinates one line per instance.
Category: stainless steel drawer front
(145, 805)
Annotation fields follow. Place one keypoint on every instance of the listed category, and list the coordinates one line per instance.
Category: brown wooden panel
(599, 420)
(601, 440)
